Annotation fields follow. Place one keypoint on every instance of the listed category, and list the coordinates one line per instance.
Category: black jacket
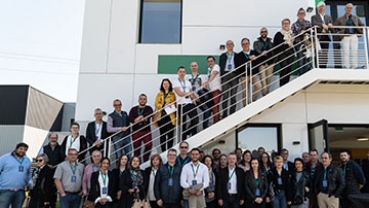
(286, 183)
(91, 135)
(241, 59)
(42, 189)
(336, 182)
(82, 146)
(299, 193)
(260, 46)
(126, 183)
(223, 63)
(55, 156)
(221, 185)
(354, 176)
(162, 190)
(95, 186)
(281, 51)
(250, 185)
(291, 167)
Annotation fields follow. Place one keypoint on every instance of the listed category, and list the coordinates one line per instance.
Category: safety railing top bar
(243, 65)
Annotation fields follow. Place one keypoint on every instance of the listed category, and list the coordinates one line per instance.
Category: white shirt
(198, 82)
(230, 62)
(191, 172)
(103, 185)
(72, 144)
(232, 180)
(98, 129)
(150, 193)
(215, 84)
(183, 87)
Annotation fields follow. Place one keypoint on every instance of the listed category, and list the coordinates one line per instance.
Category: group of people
(189, 179)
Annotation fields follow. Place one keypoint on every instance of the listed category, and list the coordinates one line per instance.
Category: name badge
(229, 66)
(21, 168)
(325, 183)
(170, 181)
(229, 186)
(136, 184)
(280, 182)
(194, 182)
(193, 88)
(257, 192)
(104, 190)
(73, 179)
(212, 186)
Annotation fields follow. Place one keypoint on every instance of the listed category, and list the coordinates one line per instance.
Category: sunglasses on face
(39, 160)
(184, 147)
(263, 31)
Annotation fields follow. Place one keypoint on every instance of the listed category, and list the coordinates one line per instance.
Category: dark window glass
(161, 21)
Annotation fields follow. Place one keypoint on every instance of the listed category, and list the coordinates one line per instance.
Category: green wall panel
(168, 64)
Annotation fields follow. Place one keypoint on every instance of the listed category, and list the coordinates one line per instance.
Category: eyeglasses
(39, 160)
(263, 31)
(172, 155)
(184, 147)
(301, 13)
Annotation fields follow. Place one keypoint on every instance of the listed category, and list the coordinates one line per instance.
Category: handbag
(141, 203)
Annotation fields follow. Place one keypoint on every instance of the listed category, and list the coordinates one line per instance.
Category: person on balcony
(349, 35)
(166, 123)
(75, 141)
(229, 80)
(202, 97)
(186, 107)
(214, 85)
(140, 117)
(118, 122)
(324, 23)
(244, 57)
(262, 46)
(299, 28)
(96, 132)
(283, 41)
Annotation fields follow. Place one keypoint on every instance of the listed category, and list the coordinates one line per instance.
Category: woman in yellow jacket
(166, 123)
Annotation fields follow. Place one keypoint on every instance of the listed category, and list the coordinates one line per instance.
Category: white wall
(35, 138)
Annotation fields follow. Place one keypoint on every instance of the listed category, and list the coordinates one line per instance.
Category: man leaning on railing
(349, 38)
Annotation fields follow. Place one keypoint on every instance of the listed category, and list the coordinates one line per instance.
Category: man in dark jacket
(353, 176)
(365, 167)
(230, 184)
(328, 183)
(227, 63)
(167, 188)
(262, 46)
(96, 131)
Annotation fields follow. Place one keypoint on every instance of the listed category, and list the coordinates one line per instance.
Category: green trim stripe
(168, 64)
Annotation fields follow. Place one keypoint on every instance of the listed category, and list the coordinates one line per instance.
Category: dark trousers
(190, 111)
(212, 204)
(171, 205)
(229, 89)
(256, 205)
(286, 64)
(153, 204)
(107, 205)
(337, 54)
(166, 129)
(323, 54)
(232, 202)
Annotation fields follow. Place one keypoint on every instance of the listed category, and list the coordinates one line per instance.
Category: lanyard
(344, 170)
(165, 97)
(230, 177)
(193, 170)
(153, 173)
(265, 45)
(19, 161)
(71, 141)
(133, 175)
(229, 57)
(140, 111)
(97, 128)
(170, 170)
(182, 163)
(193, 80)
(183, 84)
(103, 176)
(73, 168)
(325, 174)
(209, 73)
(257, 182)
(247, 55)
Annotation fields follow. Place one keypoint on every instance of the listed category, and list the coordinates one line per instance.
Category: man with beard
(15, 173)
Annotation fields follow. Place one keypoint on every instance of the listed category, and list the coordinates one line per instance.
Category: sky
(40, 45)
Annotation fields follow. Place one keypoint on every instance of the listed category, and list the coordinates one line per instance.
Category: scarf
(288, 37)
(138, 178)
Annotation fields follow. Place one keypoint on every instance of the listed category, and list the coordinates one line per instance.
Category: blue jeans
(14, 198)
(303, 61)
(280, 200)
(70, 201)
(126, 143)
(231, 203)
(205, 117)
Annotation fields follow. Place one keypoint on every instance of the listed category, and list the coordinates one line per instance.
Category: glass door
(318, 136)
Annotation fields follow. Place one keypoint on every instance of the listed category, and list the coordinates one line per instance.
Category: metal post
(108, 146)
(247, 87)
(314, 41)
(251, 86)
(366, 38)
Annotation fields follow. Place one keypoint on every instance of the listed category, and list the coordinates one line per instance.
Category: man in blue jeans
(118, 120)
(15, 173)
(68, 180)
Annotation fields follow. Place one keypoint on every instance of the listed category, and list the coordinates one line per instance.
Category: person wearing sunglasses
(183, 157)
(42, 182)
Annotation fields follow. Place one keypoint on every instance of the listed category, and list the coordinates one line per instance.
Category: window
(252, 137)
(161, 21)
